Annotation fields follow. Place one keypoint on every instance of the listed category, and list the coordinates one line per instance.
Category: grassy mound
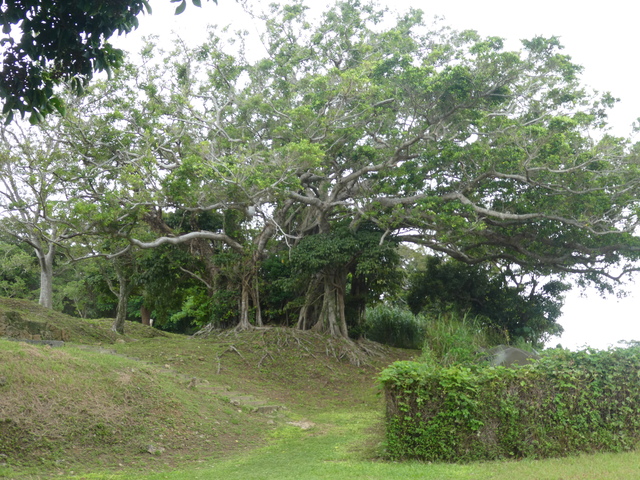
(131, 404)
(25, 319)
(67, 406)
(303, 369)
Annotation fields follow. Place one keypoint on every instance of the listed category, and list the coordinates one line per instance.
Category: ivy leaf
(181, 7)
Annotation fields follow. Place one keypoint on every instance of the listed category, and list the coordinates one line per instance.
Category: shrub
(394, 326)
(563, 404)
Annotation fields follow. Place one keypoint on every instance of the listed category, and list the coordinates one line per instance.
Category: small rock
(267, 409)
(153, 450)
(303, 424)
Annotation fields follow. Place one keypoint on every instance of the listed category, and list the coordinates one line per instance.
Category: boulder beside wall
(506, 356)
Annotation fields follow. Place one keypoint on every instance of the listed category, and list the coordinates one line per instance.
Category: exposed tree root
(234, 349)
(205, 331)
(308, 343)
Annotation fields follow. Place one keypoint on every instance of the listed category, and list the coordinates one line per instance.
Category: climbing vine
(567, 402)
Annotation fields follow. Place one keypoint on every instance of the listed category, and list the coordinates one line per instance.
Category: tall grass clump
(451, 338)
(395, 326)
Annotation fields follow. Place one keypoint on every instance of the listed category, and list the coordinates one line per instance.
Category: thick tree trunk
(255, 298)
(121, 312)
(356, 306)
(145, 315)
(306, 317)
(45, 259)
(250, 296)
(331, 318)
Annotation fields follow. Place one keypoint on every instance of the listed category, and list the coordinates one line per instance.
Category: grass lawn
(91, 413)
(334, 450)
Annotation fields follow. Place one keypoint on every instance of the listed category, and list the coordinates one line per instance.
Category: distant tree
(33, 198)
(125, 267)
(524, 310)
(48, 42)
(79, 292)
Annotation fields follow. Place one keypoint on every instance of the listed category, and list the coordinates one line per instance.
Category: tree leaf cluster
(48, 42)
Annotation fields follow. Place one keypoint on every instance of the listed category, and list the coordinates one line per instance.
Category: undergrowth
(395, 326)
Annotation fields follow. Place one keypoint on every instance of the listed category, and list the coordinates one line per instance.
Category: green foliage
(199, 309)
(60, 42)
(350, 136)
(366, 265)
(563, 404)
(179, 300)
(80, 290)
(195, 310)
(523, 311)
(395, 326)
(19, 276)
(71, 46)
(280, 295)
(343, 246)
(451, 339)
(359, 252)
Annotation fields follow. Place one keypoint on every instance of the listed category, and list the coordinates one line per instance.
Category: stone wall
(14, 325)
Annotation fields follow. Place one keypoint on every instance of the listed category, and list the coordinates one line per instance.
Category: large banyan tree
(342, 138)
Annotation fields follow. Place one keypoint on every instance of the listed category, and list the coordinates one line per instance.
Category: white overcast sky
(601, 36)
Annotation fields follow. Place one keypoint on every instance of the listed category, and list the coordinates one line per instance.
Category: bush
(394, 326)
(563, 404)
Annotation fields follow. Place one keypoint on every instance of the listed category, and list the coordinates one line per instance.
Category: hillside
(153, 400)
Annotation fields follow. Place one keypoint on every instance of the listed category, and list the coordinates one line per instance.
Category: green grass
(83, 414)
(333, 452)
(66, 408)
(75, 330)
(451, 338)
